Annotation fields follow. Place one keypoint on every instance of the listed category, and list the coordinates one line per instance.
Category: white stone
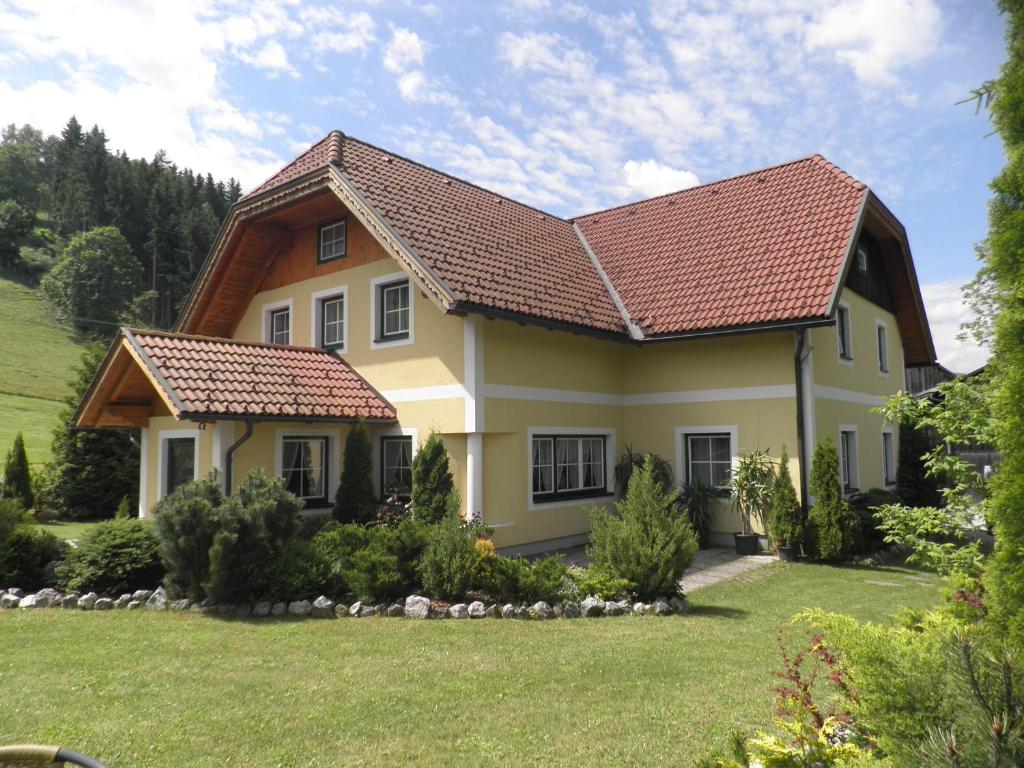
(355, 608)
(571, 610)
(477, 610)
(142, 595)
(30, 601)
(395, 610)
(323, 607)
(417, 607)
(680, 605)
(134, 605)
(278, 609)
(9, 600)
(122, 601)
(508, 611)
(87, 601)
(180, 605)
(459, 611)
(367, 610)
(157, 601)
(541, 610)
(300, 607)
(592, 606)
(661, 607)
(103, 604)
(261, 609)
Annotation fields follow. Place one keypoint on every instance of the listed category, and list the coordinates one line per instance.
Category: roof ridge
(290, 163)
(221, 340)
(816, 158)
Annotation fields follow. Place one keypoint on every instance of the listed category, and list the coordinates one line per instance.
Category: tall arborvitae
(355, 500)
(829, 517)
(17, 480)
(785, 515)
(432, 481)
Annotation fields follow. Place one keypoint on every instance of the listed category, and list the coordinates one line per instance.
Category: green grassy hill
(37, 358)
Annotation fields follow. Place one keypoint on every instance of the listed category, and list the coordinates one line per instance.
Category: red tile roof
(222, 377)
(764, 247)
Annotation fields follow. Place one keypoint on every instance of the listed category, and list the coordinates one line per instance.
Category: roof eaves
(141, 355)
(774, 325)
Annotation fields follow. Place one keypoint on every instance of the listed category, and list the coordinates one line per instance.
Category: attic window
(331, 242)
(862, 259)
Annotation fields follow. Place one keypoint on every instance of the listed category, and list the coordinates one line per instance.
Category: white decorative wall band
(846, 395)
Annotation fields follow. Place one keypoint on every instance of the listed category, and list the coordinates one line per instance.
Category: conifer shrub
(785, 516)
(114, 557)
(186, 522)
(830, 518)
(518, 580)
(25, 551)
(355, 500)
(449, 558)
(649, 543)
(432, 481)
(17, 480)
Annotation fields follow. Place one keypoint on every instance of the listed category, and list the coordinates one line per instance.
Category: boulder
(300, 607)
(48, 597)
(70, 600)
(592, 606)
(571, 610)
(225, 609)
(122, 601)
(323, 607)
(340, 610)
(355, 609)
(438, 612)
(278, 609)
(180, 605)
(477, 610)
(15, 591)
(612, 608)
(395, 610)
(491, 612)
(367, 610)
(640, 608)
(661, 607)
(417, 607)
(30, 601)
(158, 600)
(540, 610)
(522, 612)
(134, 605)
(243, 611)
(103, 604)
(261, 609)
(557, 610)
(508, 611)
(87, 601)
(9, 600)
(459, 611)
(680, 605)
(142, 595)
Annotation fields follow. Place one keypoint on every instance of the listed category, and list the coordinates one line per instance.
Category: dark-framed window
(179, 462)
(279, 326)
(304, 462)
(568, 466)
(331, 321)
(393, 310)
(888, 458)
(396, 465)
(848, 459)
(843, 330)
(708, 458)
(331, 241)
(883, 349)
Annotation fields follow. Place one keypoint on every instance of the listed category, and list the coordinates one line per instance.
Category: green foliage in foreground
(830, 518)
(114, 557)
(603, 692)
(16, 482)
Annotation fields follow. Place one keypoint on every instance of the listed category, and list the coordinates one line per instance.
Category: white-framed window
(848, 458)
(396, 464)
(843, 332)
(391, 310)
(329, 319)
(882, 337)
(179, 459)
(862, 258)
(304, 465)
(708, 454)
(331, 241)
(888, 457)
(568, 465)
(277, 322)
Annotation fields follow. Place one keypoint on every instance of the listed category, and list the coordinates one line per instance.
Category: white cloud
(354, 33)
(650, 178)
(272, 57)
(403, 51)
(946, 310)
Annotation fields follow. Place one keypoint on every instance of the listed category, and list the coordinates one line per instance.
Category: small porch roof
(198, 378)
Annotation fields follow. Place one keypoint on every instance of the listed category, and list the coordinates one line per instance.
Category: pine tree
(913, 485)
(17, 480)
(785, 516)
(830, 515)
(432, 480)
(355, 500)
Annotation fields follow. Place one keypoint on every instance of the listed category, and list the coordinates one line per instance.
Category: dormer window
(331, 243)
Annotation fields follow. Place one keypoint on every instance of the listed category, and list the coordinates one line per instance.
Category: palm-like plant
(632, 461)
(751, 484)
(697, 499)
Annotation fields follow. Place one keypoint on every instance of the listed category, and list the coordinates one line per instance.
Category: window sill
(391, 341)
(549, 498)
(332, 259)
(340, 348)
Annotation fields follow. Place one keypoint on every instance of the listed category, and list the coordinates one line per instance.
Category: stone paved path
(710, 566)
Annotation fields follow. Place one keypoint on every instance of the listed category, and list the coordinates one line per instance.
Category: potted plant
(785, 517)
(751, 484)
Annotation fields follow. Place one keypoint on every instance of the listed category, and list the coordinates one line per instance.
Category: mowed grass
(143, 689)
(37, 360)
(66, 530)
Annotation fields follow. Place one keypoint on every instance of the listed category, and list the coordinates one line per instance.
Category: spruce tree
(829, 516)
(432, 481)
(785, 516)
(355, 500)
(17, 481)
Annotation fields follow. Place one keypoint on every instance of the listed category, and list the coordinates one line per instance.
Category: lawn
(185, 690)
(66, 530)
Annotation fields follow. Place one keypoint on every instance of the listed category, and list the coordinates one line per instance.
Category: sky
(568, 106)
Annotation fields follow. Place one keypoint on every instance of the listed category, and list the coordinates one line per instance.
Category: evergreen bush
(432, 481)
(785, 516)
(17, 480)
(449, 559)
(25, 551)
(831, 521)
(355, 500)
(114, 557)
(649, 543)
(186, 522)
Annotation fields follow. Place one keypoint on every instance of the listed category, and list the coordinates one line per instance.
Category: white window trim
(314, 318)
(274, 306)
(734, 446)
(854, 459)
(393, 277)
(333, 435)
(849, 334)
(884, 326)
(171, 434)
(378, 459)
(895, 458)
(608, 433)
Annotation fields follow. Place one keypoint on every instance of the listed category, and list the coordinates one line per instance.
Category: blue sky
(568, 106)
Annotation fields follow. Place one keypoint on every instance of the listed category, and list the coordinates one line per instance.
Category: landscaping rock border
(414, 606)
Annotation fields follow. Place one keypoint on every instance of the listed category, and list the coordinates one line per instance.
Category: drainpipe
(801, 440)
(229, 456)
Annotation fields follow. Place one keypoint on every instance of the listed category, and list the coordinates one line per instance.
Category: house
(763, 311)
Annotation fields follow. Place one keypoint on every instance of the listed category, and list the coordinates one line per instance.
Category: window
(883, 349)
(396, 465)
(568, 466)
(331, 244)
(280, 326)
(179, 462)
(848, 459)
(843, 330)
(888, 459)
(393, 308)
(708, 459)
(331, 319)
(862, 258)
(304, 468)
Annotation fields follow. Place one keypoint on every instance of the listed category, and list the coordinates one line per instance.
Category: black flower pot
(747, 543)
(788, 554)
